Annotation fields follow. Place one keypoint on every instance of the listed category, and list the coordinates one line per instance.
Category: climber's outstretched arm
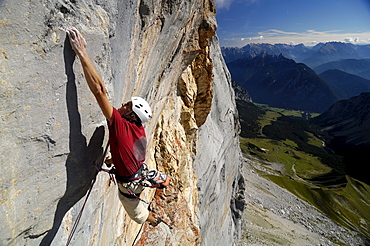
(92, 76)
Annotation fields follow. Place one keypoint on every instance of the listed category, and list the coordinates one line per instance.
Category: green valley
(297, 159)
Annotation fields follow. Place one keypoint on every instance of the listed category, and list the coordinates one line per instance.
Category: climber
(127, 137)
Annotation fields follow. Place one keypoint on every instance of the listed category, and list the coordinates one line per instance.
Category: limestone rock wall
(217, 161)
(52, 131)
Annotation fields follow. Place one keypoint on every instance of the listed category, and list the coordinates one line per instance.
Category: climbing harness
(131, 194)
(147, 178)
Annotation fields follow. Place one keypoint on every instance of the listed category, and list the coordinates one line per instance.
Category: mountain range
(359, 67)
(348, 123)
(311, 56)
(300, 77)
(281, 82)
(345, 85)
(349, 120)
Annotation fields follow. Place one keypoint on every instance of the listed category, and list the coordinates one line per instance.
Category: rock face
(53, 132)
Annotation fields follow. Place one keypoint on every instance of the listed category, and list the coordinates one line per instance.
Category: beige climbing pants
(136, 209)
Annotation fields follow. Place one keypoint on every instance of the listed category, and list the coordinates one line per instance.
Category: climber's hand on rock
(77, 41)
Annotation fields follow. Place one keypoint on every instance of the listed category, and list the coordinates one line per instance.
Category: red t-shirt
(127, 144)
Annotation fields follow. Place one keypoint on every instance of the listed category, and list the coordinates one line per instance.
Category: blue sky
(292, 21)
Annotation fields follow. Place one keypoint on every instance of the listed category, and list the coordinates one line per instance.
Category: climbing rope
(137, 235)
(80, 213)
(74, 227)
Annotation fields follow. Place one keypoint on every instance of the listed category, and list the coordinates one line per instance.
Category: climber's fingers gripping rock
(77, 41)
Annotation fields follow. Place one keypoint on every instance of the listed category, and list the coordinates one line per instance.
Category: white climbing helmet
(141, 109)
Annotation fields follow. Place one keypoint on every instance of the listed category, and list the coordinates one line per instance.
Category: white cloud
(356, 40)
(252, 38)
(308, 38)
(223, 4)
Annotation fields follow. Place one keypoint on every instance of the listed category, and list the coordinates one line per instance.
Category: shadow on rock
(80, 162)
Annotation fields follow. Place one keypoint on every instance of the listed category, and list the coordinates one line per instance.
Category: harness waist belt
(129, 195)
(134, 176)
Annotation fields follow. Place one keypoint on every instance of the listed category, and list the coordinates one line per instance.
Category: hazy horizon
(292, 22)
